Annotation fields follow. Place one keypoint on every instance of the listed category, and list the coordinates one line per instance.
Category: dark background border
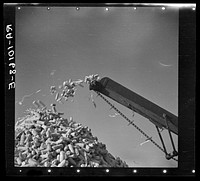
(187, 98)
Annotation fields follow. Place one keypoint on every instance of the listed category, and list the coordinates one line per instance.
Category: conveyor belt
(136, 103)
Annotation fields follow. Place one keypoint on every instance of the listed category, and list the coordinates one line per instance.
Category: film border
(187, 71)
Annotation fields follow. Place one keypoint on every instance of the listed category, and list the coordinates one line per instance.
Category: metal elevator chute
(160, 117)
(137, 103)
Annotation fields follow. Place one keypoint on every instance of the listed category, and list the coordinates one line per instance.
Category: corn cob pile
(44, 139)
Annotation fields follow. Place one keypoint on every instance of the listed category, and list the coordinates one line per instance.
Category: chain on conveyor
(131, 122)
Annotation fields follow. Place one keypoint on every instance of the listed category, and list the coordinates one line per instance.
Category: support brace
(174, 153)
(167, 155)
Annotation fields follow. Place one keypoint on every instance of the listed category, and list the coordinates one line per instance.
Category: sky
(136, 48)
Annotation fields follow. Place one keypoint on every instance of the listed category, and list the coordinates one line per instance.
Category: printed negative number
(11, 85)
(12, 71)
(10, 46)
(9, 36)
(12, 64)
(8, 29)
(11, 53)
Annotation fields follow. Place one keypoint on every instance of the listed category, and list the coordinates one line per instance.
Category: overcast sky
(136, 48)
